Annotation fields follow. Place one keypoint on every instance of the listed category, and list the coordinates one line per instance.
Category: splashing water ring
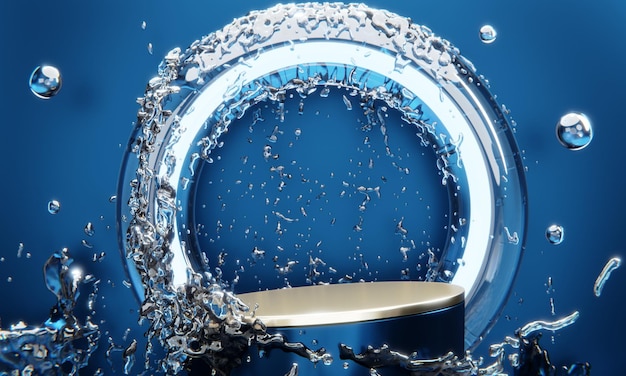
(377, 55)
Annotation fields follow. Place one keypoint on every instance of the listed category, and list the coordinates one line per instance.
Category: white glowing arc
(480, 190)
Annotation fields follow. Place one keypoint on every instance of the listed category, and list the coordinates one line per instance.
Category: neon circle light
(237, 67)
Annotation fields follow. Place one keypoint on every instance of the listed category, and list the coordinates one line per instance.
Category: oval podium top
(350, 303)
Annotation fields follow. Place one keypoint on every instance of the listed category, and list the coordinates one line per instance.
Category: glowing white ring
(480, 191)
(255, 46)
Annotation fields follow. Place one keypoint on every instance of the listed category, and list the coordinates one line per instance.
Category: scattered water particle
(129, 357)
(347, 102)
(9, 279)
(54, 206)
(611, 265)
(98, 257)
(89, 229)
(487, 34)
(143, 25)
(574, 131)
(112, 198)
(45, 81)
(293, 371)
(20, 249)
(512, 238)
(150, 48)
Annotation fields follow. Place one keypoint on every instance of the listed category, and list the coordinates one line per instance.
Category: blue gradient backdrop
(550, 58)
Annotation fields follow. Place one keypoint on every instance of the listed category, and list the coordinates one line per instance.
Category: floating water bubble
(62, 344)
(54, 206)
(143, 25)
(574, 131)
(45, 81)
(150, 48)
(487, 34)
(555, 234)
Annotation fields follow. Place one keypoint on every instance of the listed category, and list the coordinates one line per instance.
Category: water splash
(62, 345)
(529, 358)
(201, 318)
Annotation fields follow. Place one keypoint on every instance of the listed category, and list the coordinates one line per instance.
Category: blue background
(550, 58)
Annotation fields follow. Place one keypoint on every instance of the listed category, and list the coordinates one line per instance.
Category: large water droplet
(555, 234)
(487, 34)
(45, 81)
(574, 131)
(54, 206)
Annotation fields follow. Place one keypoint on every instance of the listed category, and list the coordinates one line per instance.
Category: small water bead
(54, 206)
(45, 81)
(487, 34)
(555, 234)
(574, 131)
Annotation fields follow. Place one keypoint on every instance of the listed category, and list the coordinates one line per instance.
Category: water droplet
(89, 229)
(487, 34)
(9, 279)
(555, 234)
(143, 25)
(54, 206)
(45, 81)
(112, 199)
(150, 48)
(574, 131)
